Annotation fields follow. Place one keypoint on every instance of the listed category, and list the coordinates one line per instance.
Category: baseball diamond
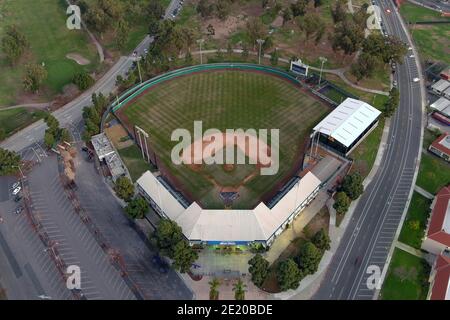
(224, 97)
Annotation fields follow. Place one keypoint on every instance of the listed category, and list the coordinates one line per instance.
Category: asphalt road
(435, 5)
(378, 214)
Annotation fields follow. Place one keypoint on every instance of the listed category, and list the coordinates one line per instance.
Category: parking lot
(122, 234)
(26, 269)
(74, 242)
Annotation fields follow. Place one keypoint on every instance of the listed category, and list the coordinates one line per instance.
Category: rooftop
(441, 283)
(440, 85)
(442, 143)
(442, 105)
(439, 225)
(225, 225)
(102, 145)
(348, 121)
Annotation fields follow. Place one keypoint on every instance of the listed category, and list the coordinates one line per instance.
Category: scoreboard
(299, 68)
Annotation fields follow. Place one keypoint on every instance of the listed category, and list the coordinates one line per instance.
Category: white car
(411, 56)
(16, 184)
(416, 79)
(16, 191)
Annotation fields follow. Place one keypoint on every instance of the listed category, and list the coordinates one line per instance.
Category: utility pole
(323, 60)
(200, 42)
(260, 42)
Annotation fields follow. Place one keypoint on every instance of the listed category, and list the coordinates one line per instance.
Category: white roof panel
(348, 121)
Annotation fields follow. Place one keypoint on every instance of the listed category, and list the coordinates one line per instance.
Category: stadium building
(348, 124)
(230, 227)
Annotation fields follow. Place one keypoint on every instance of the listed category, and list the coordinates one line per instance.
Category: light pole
(139, 68)
(200, 42)
(323, 60)
(260, 42)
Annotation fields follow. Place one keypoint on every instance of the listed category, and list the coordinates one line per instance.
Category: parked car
(16, 191)
(416, 79)
(19, 210)
(16, 184)
(18, 198)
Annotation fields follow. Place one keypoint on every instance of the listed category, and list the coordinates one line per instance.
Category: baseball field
(226, 99)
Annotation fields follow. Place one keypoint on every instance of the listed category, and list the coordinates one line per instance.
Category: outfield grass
(434, 173)
(44, 24)
(432, 40)
(12, 120)
(407, 278)
(227, 100)
(419, 210)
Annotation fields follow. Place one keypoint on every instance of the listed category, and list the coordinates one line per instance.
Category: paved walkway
(338, 72)
(409, 249)
(41, 106)
(423, 192)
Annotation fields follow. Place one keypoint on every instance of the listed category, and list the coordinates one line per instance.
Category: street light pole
(323, 60)
(200, 42)
(260, 42)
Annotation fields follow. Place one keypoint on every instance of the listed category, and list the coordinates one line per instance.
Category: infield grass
(226, 100)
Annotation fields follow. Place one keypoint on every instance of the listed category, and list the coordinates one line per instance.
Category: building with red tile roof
(437, 238)
(440, 279)
(441, 147)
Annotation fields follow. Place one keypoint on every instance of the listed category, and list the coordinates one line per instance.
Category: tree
(274, 56)
(210, 29)
(287, 15)
(183, 256)
(245, 52)
(348, 36)
(223, 9)
(365, 66)
(256, 30)
(137, 208)
(239, 290)
(338, 12)
(288, 275)
(124, 188)
(213, 286)
(309, 258)
(122, 32)
(312, 24)
(391, 104)
(341, 203)
(35, 75)
(83, 80)
(204, 8)
(14, 44)
(65, 135)
(321, 240)
(352, 185)
(317, 3)
(155, 9)
(259, 267)
(9, 162)
(49, 139)
(167, 235)
(298, 8)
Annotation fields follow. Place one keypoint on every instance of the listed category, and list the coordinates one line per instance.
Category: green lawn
(432, 40)
(419, 210)
(434, 173)
(406, 279)
(132, 158)
(227, 100)
(44, 24)
(12, 120)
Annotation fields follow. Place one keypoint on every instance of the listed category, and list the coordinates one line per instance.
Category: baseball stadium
(227, 203)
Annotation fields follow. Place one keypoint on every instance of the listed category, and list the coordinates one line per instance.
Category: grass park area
(12, 120)
(44, 24)
(226, 100)
(432, 40)
(407, 278)
(418, 212)
(434, 173)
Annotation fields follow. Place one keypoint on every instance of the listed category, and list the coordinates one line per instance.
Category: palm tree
(213, 292)
(239, 290)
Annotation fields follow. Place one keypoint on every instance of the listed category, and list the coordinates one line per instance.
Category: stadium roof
(346, 123)
(229, 225)
(442, 105)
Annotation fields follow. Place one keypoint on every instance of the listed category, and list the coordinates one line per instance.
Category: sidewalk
(409, 249)
(423, 192)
